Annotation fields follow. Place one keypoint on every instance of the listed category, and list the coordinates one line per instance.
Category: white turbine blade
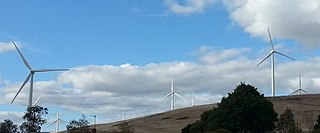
(265, 58)
(53, 123)
(35, 103)
(285, 55)
(167, 96)
(270, 39)
(24, 83)
(50, 70)
(179, 95)
(24, 59)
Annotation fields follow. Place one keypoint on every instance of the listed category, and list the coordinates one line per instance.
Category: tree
(316, 127)
(287, 124)
(8, 127)
(124, 127)
(33, 119)
(80, 126)
(244, 110)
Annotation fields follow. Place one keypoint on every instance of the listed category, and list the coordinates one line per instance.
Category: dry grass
(305, 108)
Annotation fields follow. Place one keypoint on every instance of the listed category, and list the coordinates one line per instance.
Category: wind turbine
(172, 93)
(272, 54)
(192, 101)
(30, 76)
(57, 121)
(300, 90)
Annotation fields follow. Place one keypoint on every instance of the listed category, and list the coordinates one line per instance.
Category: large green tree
(287, 123)
(33, 119)
(7, 126)
(244, 110)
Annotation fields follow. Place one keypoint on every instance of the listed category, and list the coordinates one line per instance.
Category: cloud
(109, 90)
(287, 19)
(5, 47)
(189, 6)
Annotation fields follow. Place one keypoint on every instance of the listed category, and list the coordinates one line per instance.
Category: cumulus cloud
(188, 7)
(6, 46)
(287, 19)
(111, 90)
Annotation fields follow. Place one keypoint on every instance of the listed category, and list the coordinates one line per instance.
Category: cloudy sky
(122, 54)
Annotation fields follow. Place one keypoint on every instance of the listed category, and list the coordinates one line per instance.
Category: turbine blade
(179, 95)
(304, 91)
(167, 96)
(24, 83)
(285, 55)
(35, 103)
(50, 70)
(265, 58)
(53, 123)
(270, 39)
(23, 59)
(294, 92)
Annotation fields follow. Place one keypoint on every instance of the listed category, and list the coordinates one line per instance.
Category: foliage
(80, 126)
(287, 124)
(316, 127)
(124, 127)
(244, 110)
(33, 119)
(8, 127)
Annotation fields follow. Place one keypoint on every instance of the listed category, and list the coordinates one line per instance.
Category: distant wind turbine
(30, 76)
(57, 121)
(172, 93)
(300, 90)
(272, 54)
(192, 101)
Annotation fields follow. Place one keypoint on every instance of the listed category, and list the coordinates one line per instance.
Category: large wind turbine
(30, 76)
(172, 93)
(272, 53)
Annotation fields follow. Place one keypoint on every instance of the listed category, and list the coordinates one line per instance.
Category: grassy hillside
(304, 107)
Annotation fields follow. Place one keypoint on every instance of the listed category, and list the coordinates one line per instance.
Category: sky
(122, 54)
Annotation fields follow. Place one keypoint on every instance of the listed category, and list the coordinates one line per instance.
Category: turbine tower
(172, 93)
(300, 90)
(272, 54)
(30, 76)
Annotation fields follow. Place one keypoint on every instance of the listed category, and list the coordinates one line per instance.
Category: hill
(304, 107)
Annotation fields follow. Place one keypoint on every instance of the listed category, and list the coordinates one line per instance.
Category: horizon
(123, 54)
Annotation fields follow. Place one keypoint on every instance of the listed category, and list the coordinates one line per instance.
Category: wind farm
(158, 63)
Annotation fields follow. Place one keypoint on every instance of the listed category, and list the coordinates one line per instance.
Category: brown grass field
(304, 107)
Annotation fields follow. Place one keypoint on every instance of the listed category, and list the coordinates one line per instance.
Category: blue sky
(122, 54)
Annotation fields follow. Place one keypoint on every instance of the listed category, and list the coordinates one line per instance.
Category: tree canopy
(33, 119)
(244, 110)
(8, 127)
(79, 126)
(287, 123)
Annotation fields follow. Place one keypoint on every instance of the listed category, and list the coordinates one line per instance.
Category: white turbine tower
(30, 76)
(192, 101)
(172, 93)
(272, 54)
(300, 90)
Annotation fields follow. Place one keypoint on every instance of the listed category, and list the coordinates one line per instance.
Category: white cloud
(6, 46)
(287, 19)
(188, 7)
(111, 90)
